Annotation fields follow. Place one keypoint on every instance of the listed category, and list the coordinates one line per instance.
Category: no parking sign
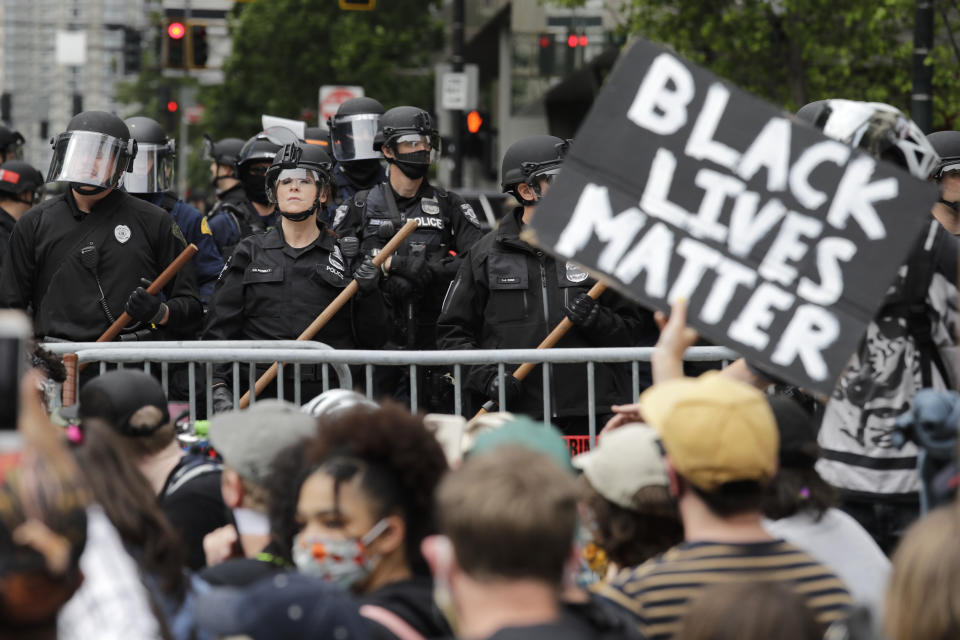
(332, 96)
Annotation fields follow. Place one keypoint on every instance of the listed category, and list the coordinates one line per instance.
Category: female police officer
(277, 282)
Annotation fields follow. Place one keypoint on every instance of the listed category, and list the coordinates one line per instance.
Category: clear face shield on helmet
(152, 169)
(91, 158)
(353, 137)
(303, 179)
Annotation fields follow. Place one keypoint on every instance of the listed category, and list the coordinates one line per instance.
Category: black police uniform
(510, 295)
(45, 269)
(7, 222)
(272, 291)
(448, 228)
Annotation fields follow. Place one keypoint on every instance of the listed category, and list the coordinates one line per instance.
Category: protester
(507, 521)
(188, 485)
(43, 524)
(248, 441)
(799, 507)
(749, 611)
(364, 506)
(130, 504)
(625, 489)
(721, 443)
(923, 600)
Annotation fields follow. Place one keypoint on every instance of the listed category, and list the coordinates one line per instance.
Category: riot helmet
(947, 146)
(93, 153)
(529, 160)
(318, 136)
(303, 163)
(11, 144)
(811, 112)
(256, 155)
(153, 166)
(882, 131)
(17, 178)
(412, 127)
(225, 152)
(354, 128)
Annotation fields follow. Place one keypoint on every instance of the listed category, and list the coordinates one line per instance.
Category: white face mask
(251, 523)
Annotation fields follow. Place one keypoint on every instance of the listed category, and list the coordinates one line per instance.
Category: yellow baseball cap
(714, 429)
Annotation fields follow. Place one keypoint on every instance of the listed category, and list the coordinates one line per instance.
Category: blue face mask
(344, 562)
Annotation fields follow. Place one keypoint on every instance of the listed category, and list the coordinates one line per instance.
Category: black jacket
(6, 228)
(510, 295)
(44, 271)
(271, 291)
(448, 228)
(411, 600)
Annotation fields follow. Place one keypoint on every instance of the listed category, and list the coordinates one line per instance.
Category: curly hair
(404, 465)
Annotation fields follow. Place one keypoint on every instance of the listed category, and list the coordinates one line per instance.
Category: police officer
(20, 186)
(947, 175)
(352, 132)
(226, 218)
(78, 260)
(11, 144)
(152, 180)
(510, 295)
(418, 274)
(255, 157)
(277, 282)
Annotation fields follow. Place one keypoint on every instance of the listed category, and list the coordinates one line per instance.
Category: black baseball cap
(798, 433)
(130, 401)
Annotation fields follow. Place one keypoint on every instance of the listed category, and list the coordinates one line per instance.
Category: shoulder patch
(470, 215)
(204, 227)
(177, 233)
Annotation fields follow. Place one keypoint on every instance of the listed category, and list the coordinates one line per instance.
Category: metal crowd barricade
(297, 353)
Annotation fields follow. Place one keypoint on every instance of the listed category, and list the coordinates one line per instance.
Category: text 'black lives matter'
(782, 241)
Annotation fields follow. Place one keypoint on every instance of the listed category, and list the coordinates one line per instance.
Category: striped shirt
(659, 591)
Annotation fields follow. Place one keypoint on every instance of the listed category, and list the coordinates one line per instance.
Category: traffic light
(357, 5)
(476, 139)
(131, 50)
(546, 44)
(175, 46)
(198, 45)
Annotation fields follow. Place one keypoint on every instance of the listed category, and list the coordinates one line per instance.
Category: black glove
(144, 307)
(222, 399)
(415, 269)
(583, 311)
(398, 288)
(513, 389)
(367, 276)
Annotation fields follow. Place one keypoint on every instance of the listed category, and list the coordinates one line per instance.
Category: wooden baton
(155, 288)
(551, 340)
(331, 309)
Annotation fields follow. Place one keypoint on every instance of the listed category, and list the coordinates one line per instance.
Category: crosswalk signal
(357, 5)
(175, 46)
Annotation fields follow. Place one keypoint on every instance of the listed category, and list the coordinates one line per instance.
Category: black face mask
(255, 187)
(86, 189)
(361, 173)
(414, 165)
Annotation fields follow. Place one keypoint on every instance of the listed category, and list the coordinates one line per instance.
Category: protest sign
(782, 240)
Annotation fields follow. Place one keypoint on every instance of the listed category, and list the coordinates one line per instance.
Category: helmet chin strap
(86, 189)
(303, 215)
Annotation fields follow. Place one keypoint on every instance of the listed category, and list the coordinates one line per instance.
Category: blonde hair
(923, 598)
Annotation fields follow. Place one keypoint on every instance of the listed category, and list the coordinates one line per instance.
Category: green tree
(284, 50)
(792, 52)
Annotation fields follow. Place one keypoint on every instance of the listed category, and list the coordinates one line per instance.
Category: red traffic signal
(583, 41)
(545, 41)
(176, 30)
(474, 121)
(172, 106)
(574, 40)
